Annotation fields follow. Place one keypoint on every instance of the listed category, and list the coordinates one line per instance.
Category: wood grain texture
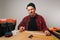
(24, 36)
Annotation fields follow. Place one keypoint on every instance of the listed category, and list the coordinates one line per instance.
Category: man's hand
(47, 33)
(22, 29)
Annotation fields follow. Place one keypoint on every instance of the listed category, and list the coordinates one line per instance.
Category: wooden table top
(36, 35)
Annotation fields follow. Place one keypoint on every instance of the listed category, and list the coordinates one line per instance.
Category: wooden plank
(25, 36)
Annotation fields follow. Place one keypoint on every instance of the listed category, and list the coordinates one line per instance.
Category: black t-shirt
(32, 24)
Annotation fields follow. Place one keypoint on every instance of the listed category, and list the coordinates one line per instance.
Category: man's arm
(21, 24)
(45, 28)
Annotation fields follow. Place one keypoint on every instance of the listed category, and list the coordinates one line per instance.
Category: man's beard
(32, 14)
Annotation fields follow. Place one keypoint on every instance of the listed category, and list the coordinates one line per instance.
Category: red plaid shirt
(41, 24)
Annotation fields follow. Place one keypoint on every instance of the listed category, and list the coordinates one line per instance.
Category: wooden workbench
(25, 36)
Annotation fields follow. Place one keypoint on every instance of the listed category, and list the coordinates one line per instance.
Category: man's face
(31, 10)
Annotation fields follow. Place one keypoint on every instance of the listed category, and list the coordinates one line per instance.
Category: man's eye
(28, 10)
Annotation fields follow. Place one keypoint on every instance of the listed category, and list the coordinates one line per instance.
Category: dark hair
(31, 4)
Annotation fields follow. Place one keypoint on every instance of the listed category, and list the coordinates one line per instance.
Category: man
(33, 22)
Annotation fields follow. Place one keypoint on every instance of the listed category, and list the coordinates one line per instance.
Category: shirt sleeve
(44, 26)
(21, 23)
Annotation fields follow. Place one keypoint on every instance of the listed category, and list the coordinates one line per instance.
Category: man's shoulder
(39, 16)
(26, 16)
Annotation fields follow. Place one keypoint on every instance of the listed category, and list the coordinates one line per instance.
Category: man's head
(31, 9)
